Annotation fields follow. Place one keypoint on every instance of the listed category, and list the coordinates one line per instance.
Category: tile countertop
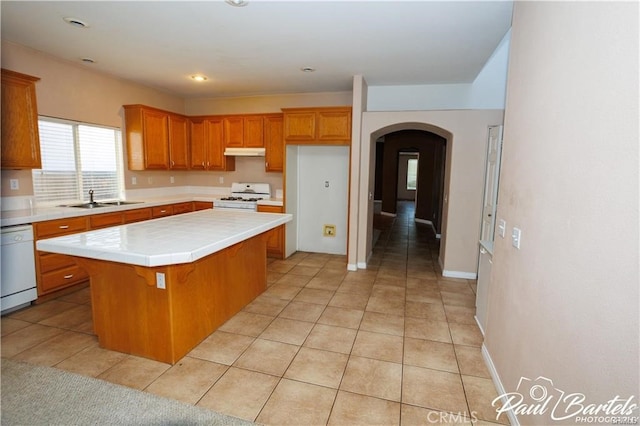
(170, 240)
(39, 214)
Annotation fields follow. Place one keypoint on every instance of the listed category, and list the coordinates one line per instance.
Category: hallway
(393, 344)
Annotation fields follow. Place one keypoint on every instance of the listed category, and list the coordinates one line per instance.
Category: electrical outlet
(329, 231)
(221, 179)
(172, 179)
(149, 180)
(160, 283)
(15, 184)
(134, 180)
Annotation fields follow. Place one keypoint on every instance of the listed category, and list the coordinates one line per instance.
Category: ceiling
(260, 48)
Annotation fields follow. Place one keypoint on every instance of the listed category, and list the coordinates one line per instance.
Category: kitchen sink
(121, 203)
(97, 204)
(89, 205)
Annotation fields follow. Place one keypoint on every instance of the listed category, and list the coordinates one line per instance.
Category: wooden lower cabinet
(136, 215)
(105, 220)
(180, 208)
(202, 205)
(275, 237)
(56, 272)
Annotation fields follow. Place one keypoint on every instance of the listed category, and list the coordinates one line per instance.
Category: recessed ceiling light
(88, 61)
(75, 22)
(237, 3)
(307, 69)
(199, 77)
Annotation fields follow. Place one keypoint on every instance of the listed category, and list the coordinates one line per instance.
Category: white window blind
(77, 157)
(412, 173)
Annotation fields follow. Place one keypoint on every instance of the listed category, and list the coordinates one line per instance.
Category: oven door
(237, 206)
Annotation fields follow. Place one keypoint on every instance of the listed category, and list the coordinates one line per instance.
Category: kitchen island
(159, 287)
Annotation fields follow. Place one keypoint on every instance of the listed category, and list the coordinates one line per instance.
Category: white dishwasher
(18, 268)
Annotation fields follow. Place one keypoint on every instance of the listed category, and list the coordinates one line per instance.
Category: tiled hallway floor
(393, 344)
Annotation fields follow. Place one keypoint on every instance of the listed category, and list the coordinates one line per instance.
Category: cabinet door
(180, 208)
(105, 220)
(198, 144)
(273, 143)
(202, 205)
(136, 215)
(20, 140)
(300, 126)
(215, 147)
(156, 139)
(334, 126)
(178, 143)
(233, 132)
(253, 132)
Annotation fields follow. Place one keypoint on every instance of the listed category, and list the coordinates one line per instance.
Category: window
(77, 157)
(412, 173)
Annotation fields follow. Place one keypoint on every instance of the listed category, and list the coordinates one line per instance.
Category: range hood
(244, 152)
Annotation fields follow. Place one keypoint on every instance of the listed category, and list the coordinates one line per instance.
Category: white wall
(565, 306)
(466, 134)
(319, 204)
(487, 91)
(291, 180)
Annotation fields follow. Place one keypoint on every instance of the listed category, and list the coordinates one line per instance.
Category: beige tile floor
(394, 344)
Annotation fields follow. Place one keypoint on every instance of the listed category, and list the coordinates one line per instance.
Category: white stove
(244, 196)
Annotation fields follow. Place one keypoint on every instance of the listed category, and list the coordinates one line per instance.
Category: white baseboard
(459, 274)
(352, 267)
(475, 317)
(362, 265)
(388, 214)
(513, 420)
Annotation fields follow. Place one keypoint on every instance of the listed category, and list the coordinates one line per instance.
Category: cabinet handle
(163, 211)
(68, 277)
(173, 163)
(63, 226)
(203, 164)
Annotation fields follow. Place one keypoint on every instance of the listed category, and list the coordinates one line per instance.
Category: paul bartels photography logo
(540, 396)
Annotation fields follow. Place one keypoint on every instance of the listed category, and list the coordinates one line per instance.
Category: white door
(492, 174)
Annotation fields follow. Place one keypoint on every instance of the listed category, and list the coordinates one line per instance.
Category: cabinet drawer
(136, 215)
(270, 209)
(97, 221)
(182, 208)
(63, 278)
(54, 228)
(161, 211)
(52, 261)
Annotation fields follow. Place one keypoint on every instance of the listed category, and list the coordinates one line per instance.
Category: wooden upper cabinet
(243, 131)
(198, 149)
(178, 142)
(273, 143)
(319, 126)
(233, 132)
(20, 139)
(253, 131)
(207, 145)
(299, 125)
(156, 139)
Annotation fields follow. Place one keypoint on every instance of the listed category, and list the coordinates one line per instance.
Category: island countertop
(170, 240)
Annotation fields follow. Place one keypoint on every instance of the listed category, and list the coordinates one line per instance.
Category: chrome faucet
(91, 196)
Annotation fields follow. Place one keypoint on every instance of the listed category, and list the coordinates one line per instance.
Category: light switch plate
(502, 228)
(15, 184)
(516, 235)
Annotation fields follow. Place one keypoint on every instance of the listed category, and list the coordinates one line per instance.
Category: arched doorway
(446, 139)
(394, 153)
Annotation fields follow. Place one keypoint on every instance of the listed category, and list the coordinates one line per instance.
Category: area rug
(36, 395)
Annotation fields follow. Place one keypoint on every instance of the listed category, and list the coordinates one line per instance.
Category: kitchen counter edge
(41, 214)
